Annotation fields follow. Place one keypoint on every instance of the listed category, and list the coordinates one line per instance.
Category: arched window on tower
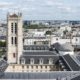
(15, 28)
(15, 40)
(12, 27)
(11, 40)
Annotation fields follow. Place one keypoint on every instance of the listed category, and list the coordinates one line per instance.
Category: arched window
(32, 61)
(50, 61)
(15, 40)
(22, 61)
(11, 40)
(12, 27)
(41, 61)
(15, 28)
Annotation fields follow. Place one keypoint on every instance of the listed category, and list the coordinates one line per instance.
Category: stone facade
(30, 68)
(14, 37)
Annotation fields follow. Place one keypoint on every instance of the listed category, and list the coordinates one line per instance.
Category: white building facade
(14, 37)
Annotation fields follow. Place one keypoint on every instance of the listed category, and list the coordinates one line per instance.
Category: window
(22, 61)
(50, 61)
(22, 66)
(41, 66)
(14, 55)
(15, 28)
(11, 24)
(15, 40)
(36, 67)
(12, 27)
(32, 61)
(41, 61)
(12, 40)
(13, 66)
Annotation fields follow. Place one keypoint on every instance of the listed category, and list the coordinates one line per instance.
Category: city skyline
(42, 10)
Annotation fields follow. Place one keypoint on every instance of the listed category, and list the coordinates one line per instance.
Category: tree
(2, 44)
(48, 32)
(65, 31)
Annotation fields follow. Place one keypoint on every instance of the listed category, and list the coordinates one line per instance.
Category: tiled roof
(72, 64)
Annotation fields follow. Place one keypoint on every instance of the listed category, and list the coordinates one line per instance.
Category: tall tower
(14, 38)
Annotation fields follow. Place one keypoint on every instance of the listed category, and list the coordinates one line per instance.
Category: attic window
(41, 61)
(32, 60)
(50, 61)
(22, 61)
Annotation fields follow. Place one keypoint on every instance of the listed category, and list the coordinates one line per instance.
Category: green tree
(2, 44)
(48, 32)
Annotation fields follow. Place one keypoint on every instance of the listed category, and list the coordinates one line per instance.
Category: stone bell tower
(14, 38)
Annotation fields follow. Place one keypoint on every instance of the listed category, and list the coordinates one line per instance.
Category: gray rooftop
(41, 76)
(39, 53)
(36, 47)
(63, 47)
(71, 63)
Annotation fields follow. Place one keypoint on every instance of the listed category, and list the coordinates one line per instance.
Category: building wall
(32, 41)
(14, 50)
(30, 68)
(56, 39)
(62, 28)
(76, 41)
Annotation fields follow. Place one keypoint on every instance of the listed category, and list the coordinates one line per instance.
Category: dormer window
(15, 40)
(15, 28)
(32, 60)
(11, 40)
(50, 61)
(22, 61)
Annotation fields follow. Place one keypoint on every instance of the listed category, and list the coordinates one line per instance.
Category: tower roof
(14, 15)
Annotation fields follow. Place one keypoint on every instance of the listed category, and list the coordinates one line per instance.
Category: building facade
(14, 37)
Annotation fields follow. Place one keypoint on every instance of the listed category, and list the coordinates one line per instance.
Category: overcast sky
(42, 9)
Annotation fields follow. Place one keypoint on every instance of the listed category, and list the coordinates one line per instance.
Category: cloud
(5, 4)
(53, 3)
(67, 9)
(42, 8)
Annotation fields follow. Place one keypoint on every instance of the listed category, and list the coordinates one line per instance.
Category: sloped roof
(63, 47)
(36, 47)
(38, 76)
(14, 15)
(73, 65)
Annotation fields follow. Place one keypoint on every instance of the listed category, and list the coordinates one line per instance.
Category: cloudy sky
(42, 9)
